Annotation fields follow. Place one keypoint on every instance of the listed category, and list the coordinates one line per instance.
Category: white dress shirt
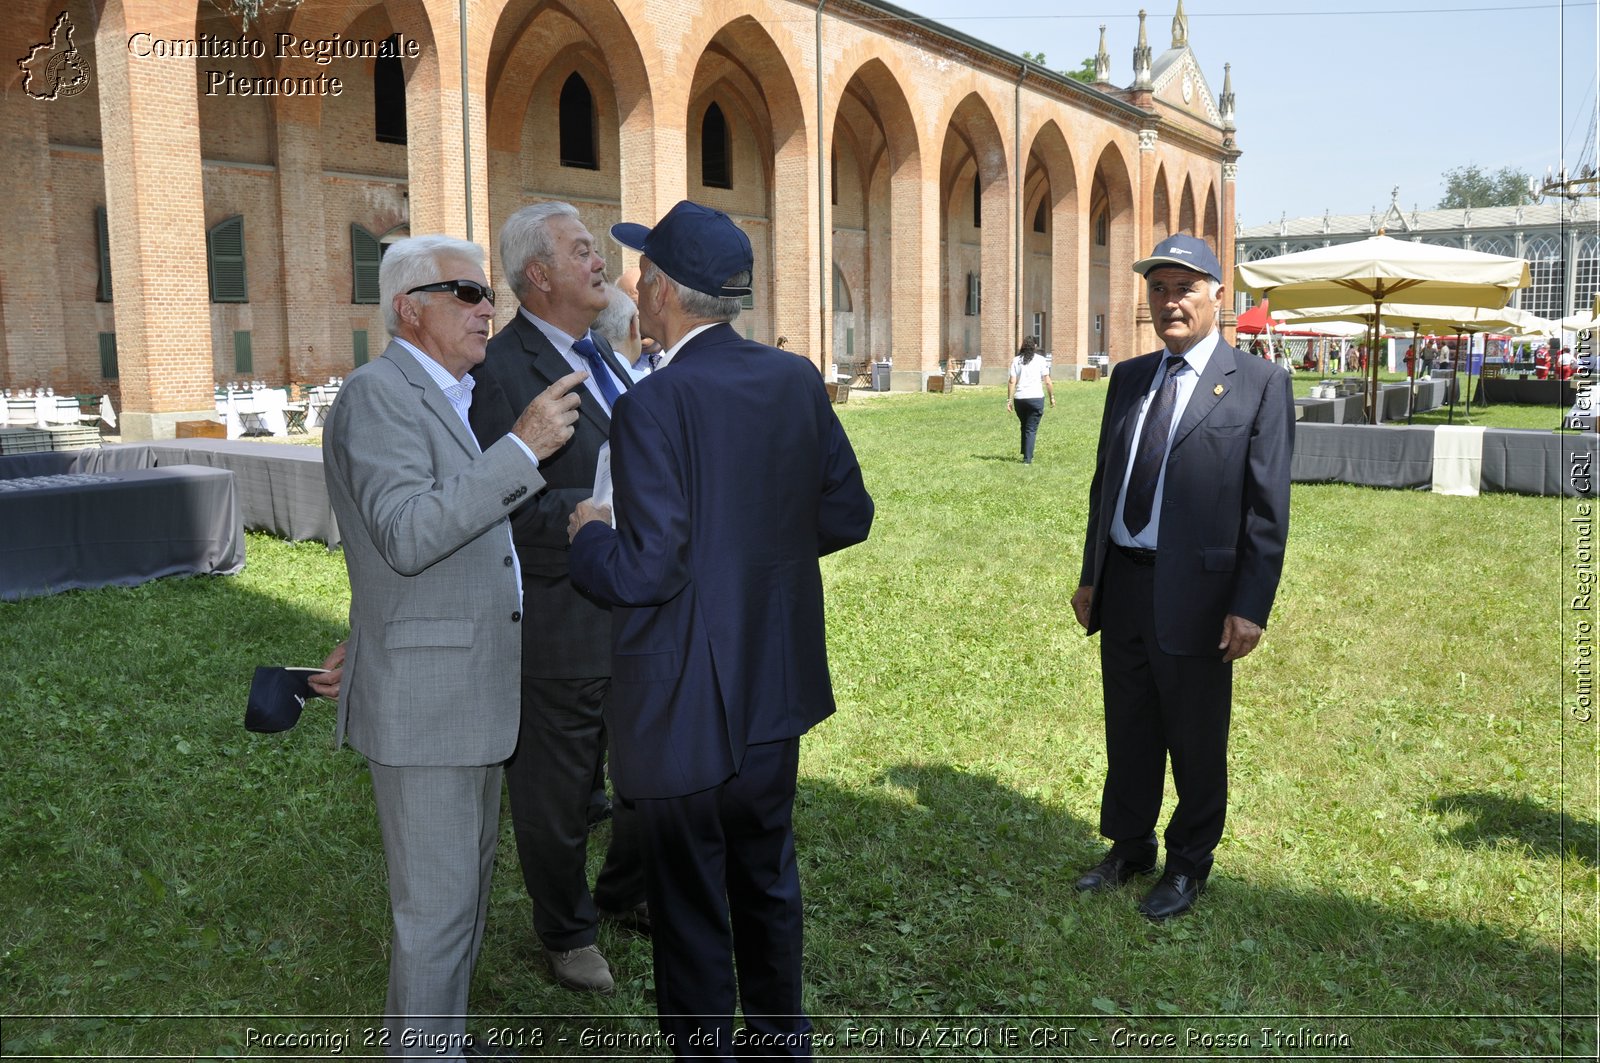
(1197, 358)
(563, 343)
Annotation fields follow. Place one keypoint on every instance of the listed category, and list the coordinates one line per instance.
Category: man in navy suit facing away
(732, 476)
(1188, 517)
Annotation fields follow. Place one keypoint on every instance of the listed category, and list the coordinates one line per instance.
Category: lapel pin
(1217, 390)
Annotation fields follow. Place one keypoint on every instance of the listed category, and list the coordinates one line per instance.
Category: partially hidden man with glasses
(427, 681)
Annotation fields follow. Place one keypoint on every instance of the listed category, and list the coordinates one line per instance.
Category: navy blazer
(564, 634)
(1225, 502)
(732, 475)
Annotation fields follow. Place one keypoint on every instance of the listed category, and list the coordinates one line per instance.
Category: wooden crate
(838, 393)
(201, 430)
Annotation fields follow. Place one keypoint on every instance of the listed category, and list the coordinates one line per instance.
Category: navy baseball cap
(276, 697)
(1190, 252)
(696, 246)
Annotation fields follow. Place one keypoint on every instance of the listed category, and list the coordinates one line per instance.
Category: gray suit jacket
(431, 668)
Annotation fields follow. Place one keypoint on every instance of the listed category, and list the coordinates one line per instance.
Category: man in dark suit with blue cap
(1188, 517)
(732, 475)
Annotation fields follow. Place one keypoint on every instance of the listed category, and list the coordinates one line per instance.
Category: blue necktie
(598, 370)
(1151, 454)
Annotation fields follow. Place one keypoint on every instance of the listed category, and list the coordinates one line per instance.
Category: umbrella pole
(1466, 414)
(1372, 359)
(1411, 407)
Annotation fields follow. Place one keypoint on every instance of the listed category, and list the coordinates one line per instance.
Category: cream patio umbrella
(1382, 270)
(1455, 319)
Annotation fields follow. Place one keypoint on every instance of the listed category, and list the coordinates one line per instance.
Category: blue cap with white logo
(1189, 252)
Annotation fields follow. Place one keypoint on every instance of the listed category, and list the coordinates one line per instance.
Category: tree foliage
(1084, 73)
(1473, 186)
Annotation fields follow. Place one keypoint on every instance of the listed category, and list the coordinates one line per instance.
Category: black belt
(1137, 554)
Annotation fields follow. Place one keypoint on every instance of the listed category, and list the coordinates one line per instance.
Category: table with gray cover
(281, 489)
(64, 530)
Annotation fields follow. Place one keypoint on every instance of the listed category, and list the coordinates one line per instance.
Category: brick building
(194, 197)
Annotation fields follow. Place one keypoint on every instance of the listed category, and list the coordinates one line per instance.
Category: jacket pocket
(1217, 559)
(428, 631)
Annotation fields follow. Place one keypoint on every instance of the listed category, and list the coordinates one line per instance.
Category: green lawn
(1409, 869)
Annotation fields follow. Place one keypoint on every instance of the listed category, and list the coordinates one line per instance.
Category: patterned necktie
(654, 359)
(1151, 453)
(597, 370)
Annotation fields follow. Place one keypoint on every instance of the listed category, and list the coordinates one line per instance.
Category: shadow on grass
(1494, 819)
(946, 892)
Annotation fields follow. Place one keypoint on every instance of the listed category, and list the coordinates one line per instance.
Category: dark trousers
(550, 779)
(1028, 412)
(724, 890)
(1158, 704)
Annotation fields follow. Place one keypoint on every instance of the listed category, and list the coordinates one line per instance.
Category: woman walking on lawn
(1025, 391)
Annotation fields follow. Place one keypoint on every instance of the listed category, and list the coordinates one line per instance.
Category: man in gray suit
(558, 275)
(428, 690)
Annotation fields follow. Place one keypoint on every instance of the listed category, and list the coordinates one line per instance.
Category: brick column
(1228, 246)
(305, 238)
(1144, 210)
(918, 282)
(436, 151)
(33, 343)
(156, 208)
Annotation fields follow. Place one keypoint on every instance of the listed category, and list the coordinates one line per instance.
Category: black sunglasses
(470, 292)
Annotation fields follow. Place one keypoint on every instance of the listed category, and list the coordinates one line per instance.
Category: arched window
(366, 255)
(1492, 245)
(389, 94)
(977, 203)
(841, 293)
(1102, 227)
(1587, 276)
(716, 163)
(225, 261)
(1544, 295)
(577, 125)
(1260, 252)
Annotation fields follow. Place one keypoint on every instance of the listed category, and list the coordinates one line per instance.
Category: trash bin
(880, 375)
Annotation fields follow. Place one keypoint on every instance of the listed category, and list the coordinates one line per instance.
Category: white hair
(415, 261)
(525, 237)
(614, 320)
(695, 304)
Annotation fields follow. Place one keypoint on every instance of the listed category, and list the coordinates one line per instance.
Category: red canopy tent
(1255, 320)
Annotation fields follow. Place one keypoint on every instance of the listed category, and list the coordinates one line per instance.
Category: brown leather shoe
(1112, 872)
(1173, 895)
(581, 968)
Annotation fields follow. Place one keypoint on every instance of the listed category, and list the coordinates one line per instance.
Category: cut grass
(1410, 859)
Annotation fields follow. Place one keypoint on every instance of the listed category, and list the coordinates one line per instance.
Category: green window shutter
(243, 360)
(849, 342)
(102, 238)
(365, 255)
(225, 261)
(108, 355)
(358, 343)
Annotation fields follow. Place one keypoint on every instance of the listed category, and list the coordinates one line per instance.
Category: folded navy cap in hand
(276, 697)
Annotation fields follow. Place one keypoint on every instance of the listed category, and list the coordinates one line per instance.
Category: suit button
(508, 561)
(515, 617)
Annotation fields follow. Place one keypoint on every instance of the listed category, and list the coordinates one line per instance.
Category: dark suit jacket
(565, 635)
(1225, 503)
(732, 476)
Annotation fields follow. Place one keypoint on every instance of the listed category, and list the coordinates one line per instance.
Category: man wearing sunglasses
(428, 685)
(558, 275)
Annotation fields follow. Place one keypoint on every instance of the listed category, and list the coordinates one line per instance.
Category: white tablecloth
(266, 408)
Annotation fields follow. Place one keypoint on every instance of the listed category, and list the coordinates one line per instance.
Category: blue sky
(1337, 104)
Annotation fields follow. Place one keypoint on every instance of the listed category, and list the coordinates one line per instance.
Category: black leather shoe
(1173, 895)
(1112, 872)
(636, 918)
